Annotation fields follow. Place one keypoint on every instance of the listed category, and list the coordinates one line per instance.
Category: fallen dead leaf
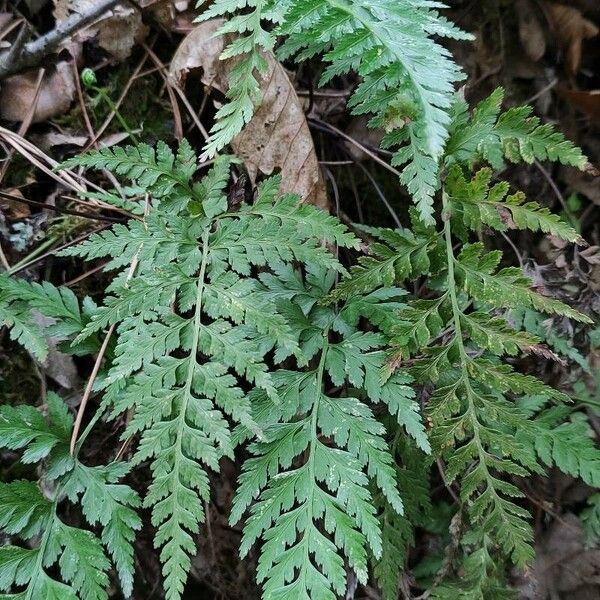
(162, 11)
(5, 19)
(58, 366)
(561, 24)
(49, 140)
(277, 139)
(582, 183)
(57, 90)
(531, 29)
(586, 101)
(360, 131)
(117, 32)
(564, 567)
(14, 209)
(570, 28)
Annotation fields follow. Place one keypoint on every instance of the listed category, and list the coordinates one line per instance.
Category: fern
(19, 302)
(398, 531)
(30, 511)
(238, 326)
(387, 42)
(195, 323)
(456, 338)
(243, 92)
(310, 470)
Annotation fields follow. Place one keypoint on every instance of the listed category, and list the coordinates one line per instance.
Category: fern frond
(303, 490)
(244, 90)
(386, 42)
(394, 256)
(478, 203)
(194, 326)
(590, 517)
(19, 299)
(398, 530)
(476, 426)
(29, 514)
(514, 135)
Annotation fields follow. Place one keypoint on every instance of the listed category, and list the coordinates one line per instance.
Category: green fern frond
(244, 90)
(456, 339)
(477, 203)
(30, 515)
(194, 324)
(386, 42)
(20, 300)
(514, 135)
(303, 489)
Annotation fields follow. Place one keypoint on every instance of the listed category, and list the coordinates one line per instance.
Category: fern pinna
(195, 324)
(31, 512)
(322, 444)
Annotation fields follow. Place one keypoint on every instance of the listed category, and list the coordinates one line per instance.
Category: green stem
(314, 431)
(45, 244)
(456, 312)
(102, 93)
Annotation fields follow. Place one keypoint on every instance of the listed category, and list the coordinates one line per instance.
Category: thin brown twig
(356, 143)
(90, 384)
(88, 388)
(3, 259)
(162, 69)
(84, 275)
(66, 211)
(42, 160)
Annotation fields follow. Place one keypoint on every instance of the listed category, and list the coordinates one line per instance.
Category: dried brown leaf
(116, 32)
(277, 139)
(583, 183)
(531, 29)
(5, 19)
(57, 90)
(13, 209)
(587, 102)
(570, 28)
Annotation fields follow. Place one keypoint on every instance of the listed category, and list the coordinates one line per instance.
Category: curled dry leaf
(57, 90)
(277, 139)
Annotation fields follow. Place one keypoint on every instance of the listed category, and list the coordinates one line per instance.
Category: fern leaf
(245, 77)
(476, 203)
(28, 514)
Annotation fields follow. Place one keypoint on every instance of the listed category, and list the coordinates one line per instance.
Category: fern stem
(456, 312)
(314, 432)
(193, 352)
